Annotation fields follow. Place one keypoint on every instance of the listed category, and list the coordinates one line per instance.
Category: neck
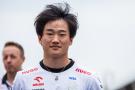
(56, 62)
(10, 77)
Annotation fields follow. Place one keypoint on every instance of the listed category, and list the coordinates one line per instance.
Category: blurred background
(105, 41)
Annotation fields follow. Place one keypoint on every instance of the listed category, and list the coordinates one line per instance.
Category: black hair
(54, 12)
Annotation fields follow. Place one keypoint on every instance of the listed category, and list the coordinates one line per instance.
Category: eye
(62, 34)
(13, 56)
(5, 57)
(49, 34)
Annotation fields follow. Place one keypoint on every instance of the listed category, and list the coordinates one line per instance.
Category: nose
(55, 39)
(8, 59)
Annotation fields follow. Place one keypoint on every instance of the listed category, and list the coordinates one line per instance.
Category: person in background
(13, 58)
(56, 28)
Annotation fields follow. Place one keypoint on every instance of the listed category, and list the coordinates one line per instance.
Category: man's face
(12, 59)
(56, 39)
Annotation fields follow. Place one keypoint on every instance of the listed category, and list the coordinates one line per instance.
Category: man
(13, 57)
(56, 28)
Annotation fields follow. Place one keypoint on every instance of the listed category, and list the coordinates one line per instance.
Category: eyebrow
(51, 30)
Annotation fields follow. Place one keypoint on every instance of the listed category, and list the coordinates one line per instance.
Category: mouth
(55, 47)
(9, 68)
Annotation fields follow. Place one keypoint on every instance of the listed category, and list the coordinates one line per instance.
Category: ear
(39, 39)
(71, 40)
(23, 58)
(23, 61)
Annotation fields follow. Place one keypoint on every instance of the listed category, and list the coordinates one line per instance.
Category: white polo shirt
(5, 85)
(72, 78)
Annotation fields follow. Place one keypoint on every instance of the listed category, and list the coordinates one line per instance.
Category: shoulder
(91, 79)
(25, 75)
(85, 74)
(33, 69)
(28, 71)
(82, 71)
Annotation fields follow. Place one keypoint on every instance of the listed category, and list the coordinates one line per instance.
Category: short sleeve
(94, 83)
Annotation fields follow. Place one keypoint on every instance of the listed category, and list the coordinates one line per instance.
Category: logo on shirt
(38, 81)
(82, 71)
(29, 71)
(72, 78)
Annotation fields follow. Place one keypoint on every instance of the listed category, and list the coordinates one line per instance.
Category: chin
(56, 55)
(11, 71)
